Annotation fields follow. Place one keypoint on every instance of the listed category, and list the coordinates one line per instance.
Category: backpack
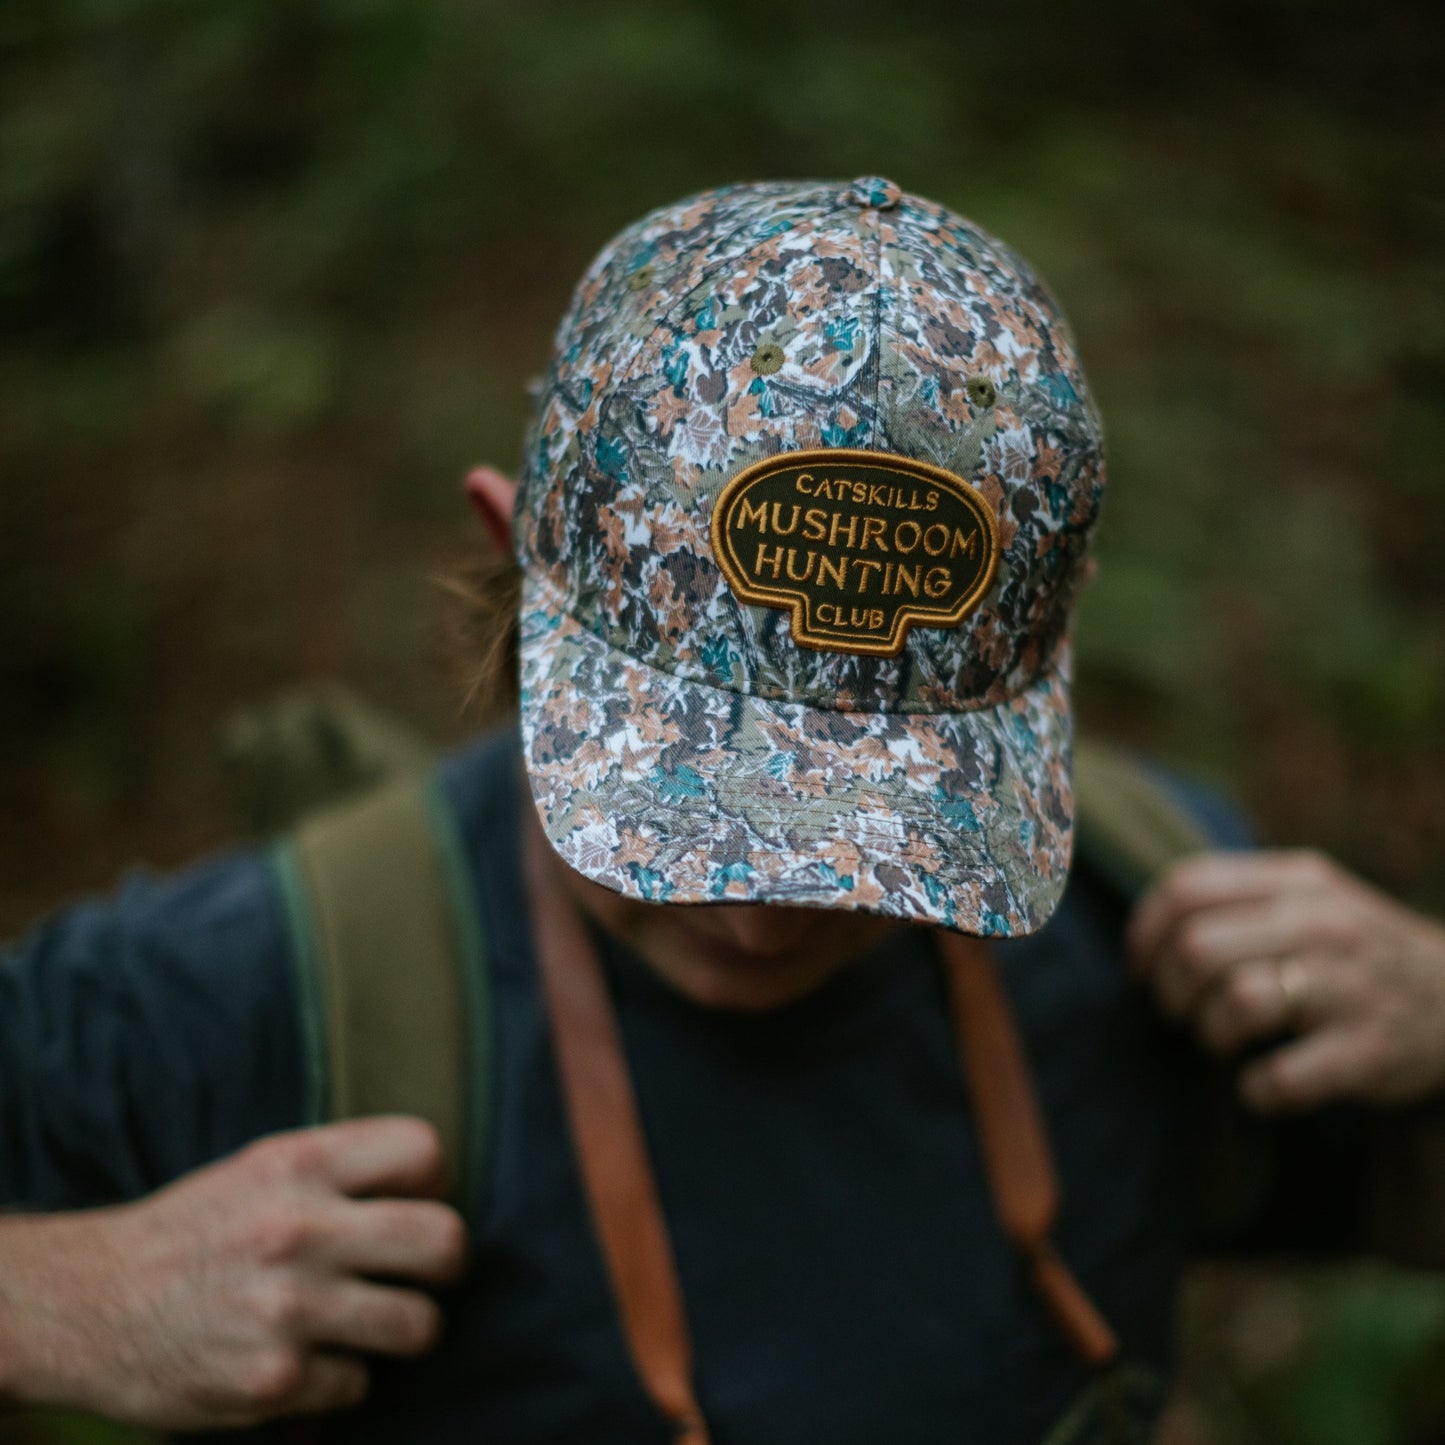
(386, 878)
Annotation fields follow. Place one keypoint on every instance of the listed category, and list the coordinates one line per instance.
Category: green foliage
(1367, 1368)
(70, 1429)
(268, 376)
(278, 229)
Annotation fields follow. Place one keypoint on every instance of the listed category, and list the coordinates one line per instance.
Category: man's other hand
(251, 1289)
(1288, 949)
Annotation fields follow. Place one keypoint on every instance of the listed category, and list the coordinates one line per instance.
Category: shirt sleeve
(147, 1034)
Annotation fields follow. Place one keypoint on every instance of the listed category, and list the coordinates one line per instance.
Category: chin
(747, 984)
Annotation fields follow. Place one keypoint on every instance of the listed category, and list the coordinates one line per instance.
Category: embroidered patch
(858, 546)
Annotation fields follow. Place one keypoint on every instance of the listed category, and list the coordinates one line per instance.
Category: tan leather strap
(1013, 1141)
(617, 1174)
(607, 1134)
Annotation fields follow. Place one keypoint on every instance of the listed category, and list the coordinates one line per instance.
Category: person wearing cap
(775, 886)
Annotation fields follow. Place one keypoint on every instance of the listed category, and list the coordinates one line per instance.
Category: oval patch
(858, 546)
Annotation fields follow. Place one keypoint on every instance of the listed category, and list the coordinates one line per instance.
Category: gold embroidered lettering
(775, 561)
(865, 568)
(750, 512)
(836, 528)
(792, 526)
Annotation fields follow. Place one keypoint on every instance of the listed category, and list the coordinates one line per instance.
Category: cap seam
(631, 368)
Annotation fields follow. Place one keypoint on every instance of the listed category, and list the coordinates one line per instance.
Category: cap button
(873, 193)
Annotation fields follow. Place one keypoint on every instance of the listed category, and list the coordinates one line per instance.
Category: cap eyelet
(640, 279)
(767, 359)
(981, 391)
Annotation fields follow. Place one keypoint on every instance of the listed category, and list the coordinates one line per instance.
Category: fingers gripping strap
(611, 1151)
(390, 949)
(1013, 1141)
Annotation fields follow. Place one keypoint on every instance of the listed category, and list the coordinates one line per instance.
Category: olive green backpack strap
(1128, 827)
(391, 968)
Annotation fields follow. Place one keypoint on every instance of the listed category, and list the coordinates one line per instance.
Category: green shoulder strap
(391, 968)
(1127, 826)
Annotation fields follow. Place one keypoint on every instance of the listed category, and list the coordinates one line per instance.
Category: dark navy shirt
(844, 1274)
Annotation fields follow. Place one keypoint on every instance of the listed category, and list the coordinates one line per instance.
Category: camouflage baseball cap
(803, 512)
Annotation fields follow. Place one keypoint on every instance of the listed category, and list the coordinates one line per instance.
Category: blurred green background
(274, 272)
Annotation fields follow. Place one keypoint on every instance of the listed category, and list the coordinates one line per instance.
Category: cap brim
(677, 791)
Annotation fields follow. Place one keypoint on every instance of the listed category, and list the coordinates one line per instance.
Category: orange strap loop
(1013, 1141)
(616, 1172)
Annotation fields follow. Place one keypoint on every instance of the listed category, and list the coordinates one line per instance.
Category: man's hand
(1248, 947)
(250, 1289)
